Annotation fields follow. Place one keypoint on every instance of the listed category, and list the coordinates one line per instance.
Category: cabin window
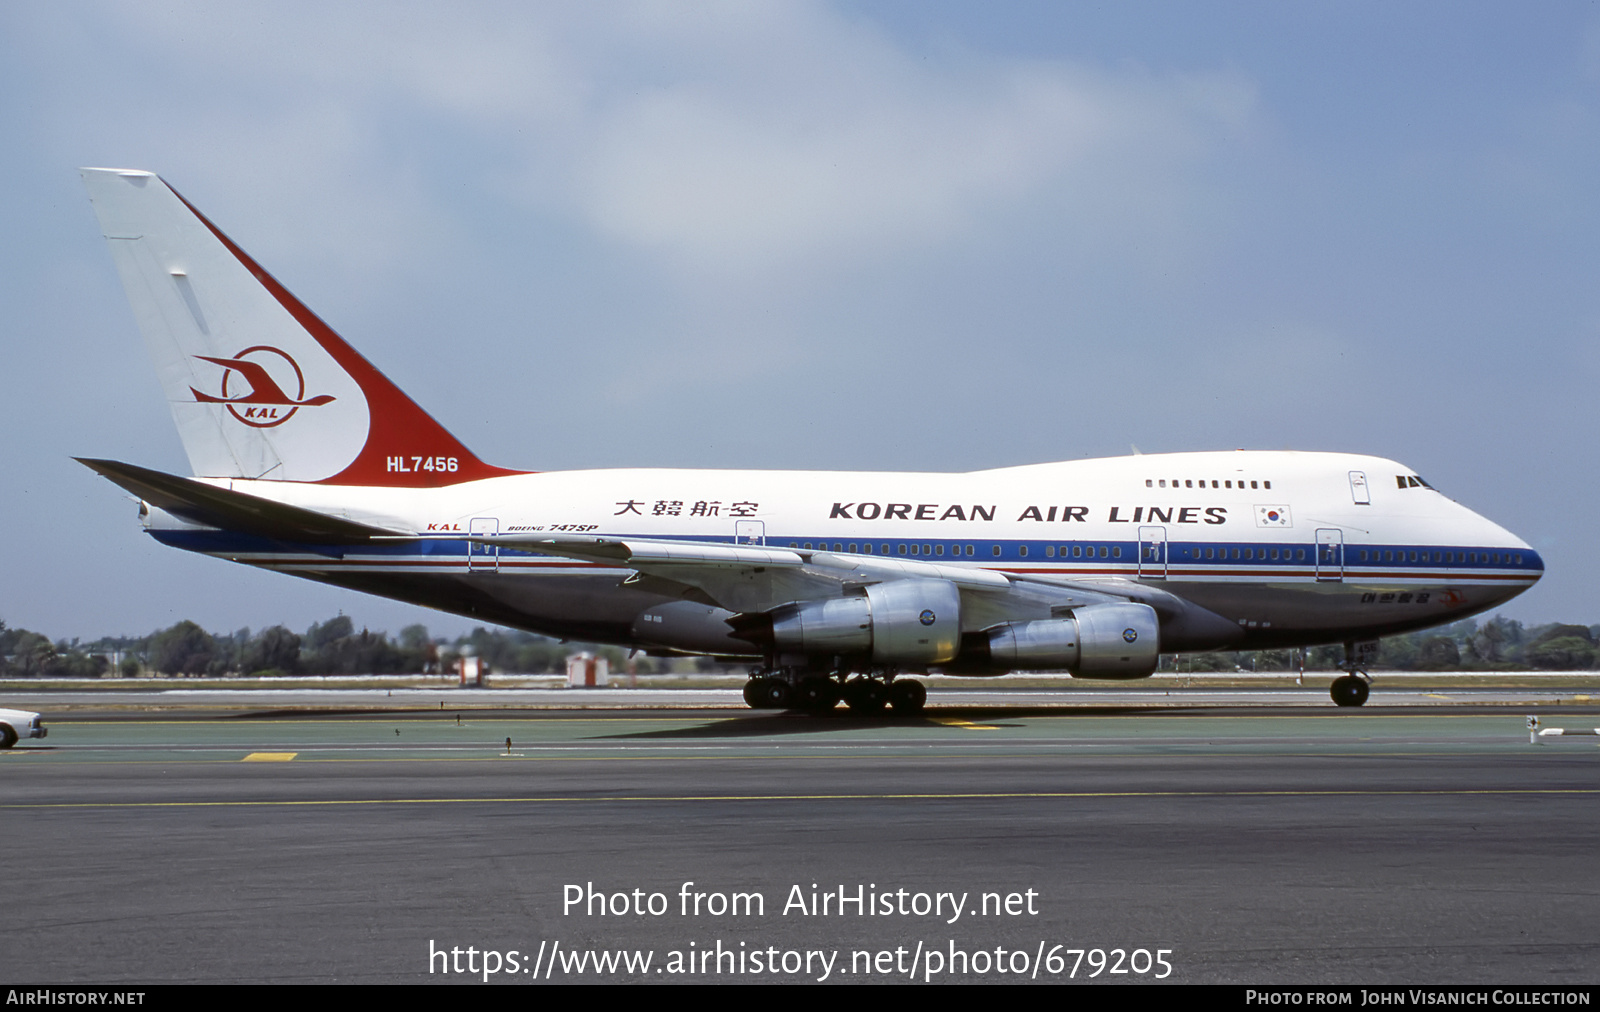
(1148, 483)
(1116, 552)
(1023, 551)
(995, 549)
(938, 549)
(902, 548)
(1049, 551)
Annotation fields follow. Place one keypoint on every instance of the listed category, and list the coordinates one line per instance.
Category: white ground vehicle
(16, 724)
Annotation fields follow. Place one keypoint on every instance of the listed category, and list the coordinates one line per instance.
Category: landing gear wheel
(776, 694)
(907, 697)
(752, 693)
(8, 737)
(866, 696)
(1349, 690)
(817, 694)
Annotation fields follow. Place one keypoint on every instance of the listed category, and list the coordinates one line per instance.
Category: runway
(1579, 689)
(1265, 844)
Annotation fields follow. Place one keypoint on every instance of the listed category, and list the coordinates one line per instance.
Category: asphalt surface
(1250, 845)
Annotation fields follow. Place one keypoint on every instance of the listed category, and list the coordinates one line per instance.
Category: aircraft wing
(753, 578)
(640, 553)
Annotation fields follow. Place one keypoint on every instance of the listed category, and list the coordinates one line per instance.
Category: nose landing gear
(1353, 688)
(1349, 690)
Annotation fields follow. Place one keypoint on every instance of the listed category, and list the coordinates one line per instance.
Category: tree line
(1495, 644)
(335, 647)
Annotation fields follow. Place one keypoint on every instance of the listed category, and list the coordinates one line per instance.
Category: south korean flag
(1273, 516)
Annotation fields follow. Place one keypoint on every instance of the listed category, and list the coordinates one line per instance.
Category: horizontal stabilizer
(232, 511)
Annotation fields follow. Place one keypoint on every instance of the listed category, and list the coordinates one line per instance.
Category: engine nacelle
(1100, 641)
(898, 622)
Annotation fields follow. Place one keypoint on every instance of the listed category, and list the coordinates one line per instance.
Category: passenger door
(1330, 555)
(1153, 553)
(483, 558)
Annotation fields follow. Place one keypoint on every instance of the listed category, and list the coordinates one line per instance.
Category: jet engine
(898, 622)
(1098, 641)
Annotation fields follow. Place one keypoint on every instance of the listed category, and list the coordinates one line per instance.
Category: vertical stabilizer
(259, 386)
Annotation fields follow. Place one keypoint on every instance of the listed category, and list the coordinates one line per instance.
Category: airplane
(834, 586)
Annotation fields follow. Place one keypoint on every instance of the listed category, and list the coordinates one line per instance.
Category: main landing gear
(866, 695)
(1353, 688)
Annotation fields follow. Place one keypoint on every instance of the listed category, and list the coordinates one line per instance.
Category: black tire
(752, 693)
(1362, 691)
(776, 694)
(1349, 691)
(8, 737)
(817, 694)
(907, 697)
(866, 696)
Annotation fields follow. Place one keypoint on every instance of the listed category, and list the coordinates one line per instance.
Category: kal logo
(263, 404)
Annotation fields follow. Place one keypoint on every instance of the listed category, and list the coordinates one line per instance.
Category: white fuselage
(1293, 547)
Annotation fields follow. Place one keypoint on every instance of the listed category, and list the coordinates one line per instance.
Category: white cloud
(723, 138)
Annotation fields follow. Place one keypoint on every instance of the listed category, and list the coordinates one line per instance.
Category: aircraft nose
(1534, 564)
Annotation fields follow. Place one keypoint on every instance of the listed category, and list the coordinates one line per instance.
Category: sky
(921, 235)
